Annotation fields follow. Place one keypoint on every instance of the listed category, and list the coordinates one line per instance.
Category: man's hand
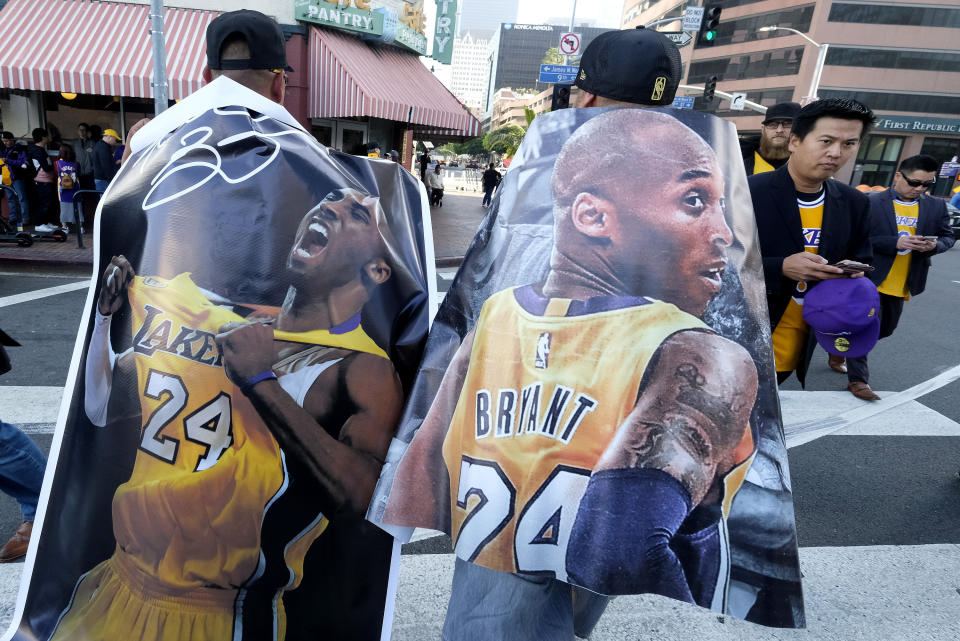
(807, 266)
(116, 277)
(915, 243)
(247, 350)
(137, 126)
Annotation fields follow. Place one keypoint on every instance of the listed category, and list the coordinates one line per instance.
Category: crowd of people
(44, 183)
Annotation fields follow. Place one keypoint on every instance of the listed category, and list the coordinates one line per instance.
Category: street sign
(738, 101)
(679, 38)
(558, 74)
(692, 17)
(569, 44)
(682, 102)
(557, 78)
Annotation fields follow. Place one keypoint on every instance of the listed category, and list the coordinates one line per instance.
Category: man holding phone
(907, 227)
(797, 205)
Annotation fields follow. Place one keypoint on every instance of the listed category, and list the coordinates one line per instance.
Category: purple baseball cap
(844, 314)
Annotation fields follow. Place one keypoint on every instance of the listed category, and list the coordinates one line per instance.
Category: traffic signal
(709, 89)
(561, 97)
(708, 28)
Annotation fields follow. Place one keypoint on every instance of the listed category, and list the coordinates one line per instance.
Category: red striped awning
(98, 47)
(350, 77)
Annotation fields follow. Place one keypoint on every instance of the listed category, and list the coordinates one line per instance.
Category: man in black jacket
(795, 207)
(770, 149)
(104, 166)
(907, 227)
(491, 178)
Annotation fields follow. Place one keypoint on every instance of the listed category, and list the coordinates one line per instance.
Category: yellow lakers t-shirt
(895, 284)
(196, 511)
(546, 390)
(761, 166)
(791, 331)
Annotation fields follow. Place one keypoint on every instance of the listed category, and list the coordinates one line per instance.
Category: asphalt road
(849, 490)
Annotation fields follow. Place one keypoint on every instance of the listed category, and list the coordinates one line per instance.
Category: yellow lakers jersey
(211, 501)
(791, 331)
(549, 383)
(895, 284)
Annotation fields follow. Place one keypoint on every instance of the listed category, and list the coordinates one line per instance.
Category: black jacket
(748, 146)
(38, 154)
(932, 220)
(15, 157)
(491, 178)
(104, 168)
(844, 235)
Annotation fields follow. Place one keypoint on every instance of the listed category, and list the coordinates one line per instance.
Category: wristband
(257, 378)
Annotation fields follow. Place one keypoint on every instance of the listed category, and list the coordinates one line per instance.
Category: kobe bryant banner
(257, 313)
(597, 402)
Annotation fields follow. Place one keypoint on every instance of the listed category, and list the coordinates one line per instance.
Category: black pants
(436, 196)
(890, 309)
(487, 195)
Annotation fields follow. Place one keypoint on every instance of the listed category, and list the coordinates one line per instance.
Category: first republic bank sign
(399, 23)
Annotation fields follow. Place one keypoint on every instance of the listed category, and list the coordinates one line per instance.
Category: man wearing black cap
(247, 47)
(771, 149)
(628, 68)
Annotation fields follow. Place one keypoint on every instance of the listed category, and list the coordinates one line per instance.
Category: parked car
(954, 214)
(453, 163)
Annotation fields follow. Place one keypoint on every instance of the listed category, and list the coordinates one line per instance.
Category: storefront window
(877, 161)
(943, 149)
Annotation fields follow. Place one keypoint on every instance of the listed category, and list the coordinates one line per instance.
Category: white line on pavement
(801, 433)
(43, 293)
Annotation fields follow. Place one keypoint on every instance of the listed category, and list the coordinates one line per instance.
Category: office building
(899, 58)
(517, 50)
(470, 68)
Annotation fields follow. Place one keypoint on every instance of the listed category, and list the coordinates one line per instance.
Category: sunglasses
(919, 183)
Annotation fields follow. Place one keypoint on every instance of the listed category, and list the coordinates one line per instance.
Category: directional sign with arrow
(679, 38)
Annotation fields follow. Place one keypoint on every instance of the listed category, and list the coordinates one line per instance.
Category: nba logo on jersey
(543, 351)
(811, 236)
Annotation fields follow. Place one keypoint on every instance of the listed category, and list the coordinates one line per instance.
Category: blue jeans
(21, 469)
(101, 185)
(487, 605)
(487, 195)
(20, 206)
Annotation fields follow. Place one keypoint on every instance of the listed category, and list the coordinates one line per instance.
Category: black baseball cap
(263, 35)
(782, 111)
(639, 65)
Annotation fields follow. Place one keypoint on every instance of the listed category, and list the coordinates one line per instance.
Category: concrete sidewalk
(454, 225)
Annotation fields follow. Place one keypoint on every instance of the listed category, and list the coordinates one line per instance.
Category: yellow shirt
(543, 396)
(209, 491)
(791, 331)
(895, 284)
(761, 166)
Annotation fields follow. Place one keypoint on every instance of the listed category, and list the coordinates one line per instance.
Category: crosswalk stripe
(43, 293)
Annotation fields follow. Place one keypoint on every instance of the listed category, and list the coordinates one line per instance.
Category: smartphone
(853, 267)
(933, 238)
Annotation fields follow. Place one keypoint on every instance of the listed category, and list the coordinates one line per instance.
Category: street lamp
(821, 56)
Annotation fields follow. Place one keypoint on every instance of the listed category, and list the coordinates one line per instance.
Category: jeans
(21, 469)
(487, 605)
(890, 309)
(20, 206)
(101, 185)
(487, 195)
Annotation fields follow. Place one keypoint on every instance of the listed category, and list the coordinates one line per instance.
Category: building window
(877, 161)
(910, 102)
(745, 29)
(903, 15)
(780, 62)
(842, 56)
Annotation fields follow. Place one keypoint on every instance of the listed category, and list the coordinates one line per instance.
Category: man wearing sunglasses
(907, 227)
(772, 148)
